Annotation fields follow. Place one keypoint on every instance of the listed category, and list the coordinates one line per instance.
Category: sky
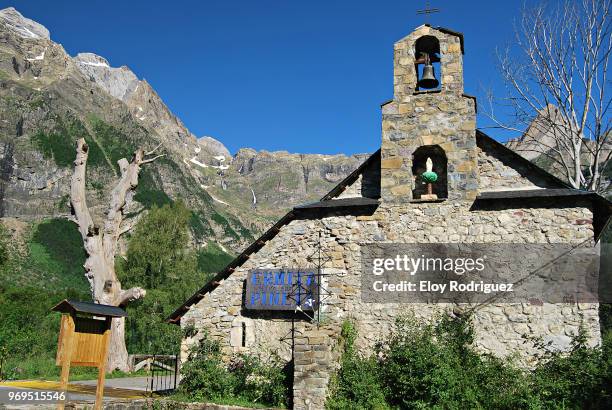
(301, 76)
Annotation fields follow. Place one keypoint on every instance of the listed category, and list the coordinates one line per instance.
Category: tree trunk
(101, 244)
(117, 351)
(577, 182)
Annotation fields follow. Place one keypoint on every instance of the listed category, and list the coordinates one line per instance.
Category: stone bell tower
(429, 117)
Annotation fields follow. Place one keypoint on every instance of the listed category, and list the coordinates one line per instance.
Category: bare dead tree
(559, 91)
(101, 242)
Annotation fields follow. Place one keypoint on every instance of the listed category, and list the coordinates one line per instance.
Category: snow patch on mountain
(23, 26)
(195, 161)
(39, 57)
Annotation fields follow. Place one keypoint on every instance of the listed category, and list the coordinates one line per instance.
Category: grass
(115, 143)
(56, 251)
(147, 192)
(44, 368)
(212, 259)
(227, 228)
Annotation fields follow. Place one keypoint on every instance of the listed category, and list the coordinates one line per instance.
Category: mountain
(48, 99)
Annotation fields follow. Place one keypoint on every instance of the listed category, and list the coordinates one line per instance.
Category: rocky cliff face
(48, 99)
(266, 182)
(118, 82)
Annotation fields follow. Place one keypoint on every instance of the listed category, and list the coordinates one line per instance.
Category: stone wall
(354, 190)
(313, 363)
(500, 328)
(499, 170)
(367, 184)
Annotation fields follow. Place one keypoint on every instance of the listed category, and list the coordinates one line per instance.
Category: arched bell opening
(422, 175)
(427, 63)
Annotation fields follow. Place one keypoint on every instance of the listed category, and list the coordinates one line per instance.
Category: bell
(429, 78)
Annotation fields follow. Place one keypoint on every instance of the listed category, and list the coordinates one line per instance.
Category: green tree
(159, 257)
(158, 246)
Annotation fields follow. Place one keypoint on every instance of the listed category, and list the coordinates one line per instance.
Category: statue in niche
(429, 177)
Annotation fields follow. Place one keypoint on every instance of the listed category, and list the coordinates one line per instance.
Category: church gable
(500, 168)
(364, 182)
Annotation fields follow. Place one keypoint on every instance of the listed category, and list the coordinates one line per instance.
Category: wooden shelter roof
(96, 309)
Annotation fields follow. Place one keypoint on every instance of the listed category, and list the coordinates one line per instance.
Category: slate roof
(338, 203)
(96, 309)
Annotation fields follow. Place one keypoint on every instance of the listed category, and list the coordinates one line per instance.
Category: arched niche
(427, 48)
(419, 165)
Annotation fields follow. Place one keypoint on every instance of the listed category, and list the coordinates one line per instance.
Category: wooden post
(66, 338)
(102, 366)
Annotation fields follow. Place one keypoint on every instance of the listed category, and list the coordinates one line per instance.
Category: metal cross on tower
(427, 11)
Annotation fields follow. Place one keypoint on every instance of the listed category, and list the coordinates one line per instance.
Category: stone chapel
(484, 193)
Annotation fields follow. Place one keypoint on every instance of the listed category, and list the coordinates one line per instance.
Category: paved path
(121, 388)
(131, 383)
(73, 395)
(85, 390)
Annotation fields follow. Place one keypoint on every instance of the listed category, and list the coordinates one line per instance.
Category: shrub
(260, 381)
(431, 365)
(357, 384)
(246, 378)
(584, 376)
(204, 376)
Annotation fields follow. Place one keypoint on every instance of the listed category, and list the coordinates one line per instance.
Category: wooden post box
(83, 340)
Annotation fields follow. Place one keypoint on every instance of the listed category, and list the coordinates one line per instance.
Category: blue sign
(282, 289)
